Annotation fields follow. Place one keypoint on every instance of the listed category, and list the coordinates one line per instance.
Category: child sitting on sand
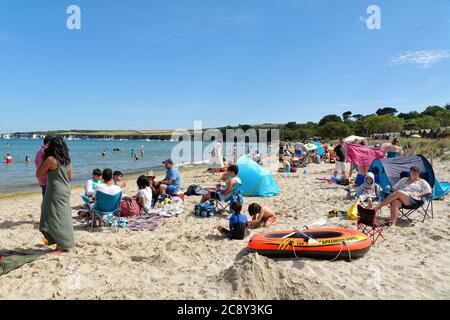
(238, 223)
(261, 216)
(368, 191)
(144, 196)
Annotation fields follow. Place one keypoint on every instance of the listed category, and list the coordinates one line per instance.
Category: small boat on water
(325, 243)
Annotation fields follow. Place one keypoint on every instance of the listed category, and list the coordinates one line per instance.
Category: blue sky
(147, 64)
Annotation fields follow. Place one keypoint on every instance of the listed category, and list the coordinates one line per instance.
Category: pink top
(38, 161)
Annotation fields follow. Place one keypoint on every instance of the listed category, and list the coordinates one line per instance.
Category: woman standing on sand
(56, 213)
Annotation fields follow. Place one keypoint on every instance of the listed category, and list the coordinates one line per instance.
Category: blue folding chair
(235, 197)
(105, 206)
(425, 206)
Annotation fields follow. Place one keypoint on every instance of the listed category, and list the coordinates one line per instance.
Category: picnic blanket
(145, 222)
(12, 260)
(363, 155)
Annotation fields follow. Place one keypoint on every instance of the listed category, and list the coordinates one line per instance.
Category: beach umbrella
(416, 136)
(352, 139)
(310, 147)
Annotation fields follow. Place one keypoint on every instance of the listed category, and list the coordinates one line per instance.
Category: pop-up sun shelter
(256, 180)
(388, 171)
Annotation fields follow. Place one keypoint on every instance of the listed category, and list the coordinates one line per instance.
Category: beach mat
(145, 222)
(12, 260)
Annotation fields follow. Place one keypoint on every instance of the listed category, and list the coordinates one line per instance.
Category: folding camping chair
(369, 224)
(424, 207)
(105, 206)
(226, 206)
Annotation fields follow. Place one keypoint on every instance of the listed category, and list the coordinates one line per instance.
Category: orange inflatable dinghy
(326, 243)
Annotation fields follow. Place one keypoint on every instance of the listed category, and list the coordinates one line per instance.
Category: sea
(86, 155)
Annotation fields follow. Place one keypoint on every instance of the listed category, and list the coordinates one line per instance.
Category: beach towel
(12, 260)
(362, 155)
(145, 222)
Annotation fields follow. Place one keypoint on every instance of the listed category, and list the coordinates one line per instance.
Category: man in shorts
(340, 159)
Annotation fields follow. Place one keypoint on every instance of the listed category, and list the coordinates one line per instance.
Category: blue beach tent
(320, 149)
(256, 180)
(388, 172)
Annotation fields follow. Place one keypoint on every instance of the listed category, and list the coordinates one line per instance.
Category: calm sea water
(86, 156)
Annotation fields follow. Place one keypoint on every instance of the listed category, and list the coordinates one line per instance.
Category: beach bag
(205, 210)
(129, 207)
(352, 213)
(195, 190)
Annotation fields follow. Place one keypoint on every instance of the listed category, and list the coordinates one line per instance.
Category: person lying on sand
(261, 216)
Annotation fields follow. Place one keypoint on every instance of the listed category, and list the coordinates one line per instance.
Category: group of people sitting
(110, 183)
(301, 157)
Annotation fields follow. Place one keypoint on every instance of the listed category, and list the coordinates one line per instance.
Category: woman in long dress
(56, 213)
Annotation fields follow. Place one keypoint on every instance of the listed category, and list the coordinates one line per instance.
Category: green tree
(409, 115)
(386, 111)
(333, 130)
(447, 106)
(358, 117)
(291, 125)
(427, 122)
(432, 110)
(346, 115)
(383, 124)
(329, 118)
(411, 124)
(443, 117)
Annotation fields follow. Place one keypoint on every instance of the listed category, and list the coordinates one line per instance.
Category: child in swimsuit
(261, 216)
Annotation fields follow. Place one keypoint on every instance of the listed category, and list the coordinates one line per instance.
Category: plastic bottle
(388, 189)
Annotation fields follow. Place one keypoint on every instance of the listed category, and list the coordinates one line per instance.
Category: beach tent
(256, 180)
(310, 147)
(320, 148)
(387, 172)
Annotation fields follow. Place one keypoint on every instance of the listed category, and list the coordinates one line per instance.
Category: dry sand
(185, 258)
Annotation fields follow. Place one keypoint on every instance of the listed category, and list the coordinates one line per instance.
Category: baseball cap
(169, 161)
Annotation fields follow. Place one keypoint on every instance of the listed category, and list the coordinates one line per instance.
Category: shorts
(272, 219)
(416, 202)
(171, 189)
(340, 165)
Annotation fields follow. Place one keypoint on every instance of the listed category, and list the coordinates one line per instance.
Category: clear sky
(161, 64)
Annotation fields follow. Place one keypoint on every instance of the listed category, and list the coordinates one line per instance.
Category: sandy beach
(186, 258)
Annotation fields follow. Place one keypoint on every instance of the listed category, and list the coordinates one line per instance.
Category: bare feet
(58, 251)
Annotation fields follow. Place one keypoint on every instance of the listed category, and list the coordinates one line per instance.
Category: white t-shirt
(147, 195)
(111, 190)
(224, 196)
(414, 188)
(89, 187)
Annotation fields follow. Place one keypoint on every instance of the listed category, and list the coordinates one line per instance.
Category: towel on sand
(12, 260)
(144, 222)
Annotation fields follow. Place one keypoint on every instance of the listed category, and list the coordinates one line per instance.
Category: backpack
(195, 190)
(129, 207)
(205, 210)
